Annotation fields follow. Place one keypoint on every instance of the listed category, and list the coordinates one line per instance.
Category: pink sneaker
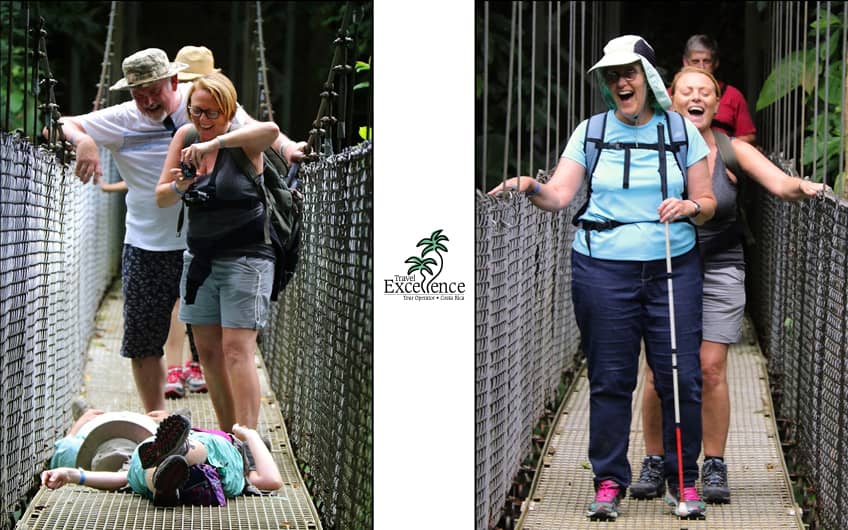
(193, 376)
(174, 388)
(605, 507)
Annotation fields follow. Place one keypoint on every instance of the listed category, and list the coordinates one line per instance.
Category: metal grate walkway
(762, 493)
(108, 384)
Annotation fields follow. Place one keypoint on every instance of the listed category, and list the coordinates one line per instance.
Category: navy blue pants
(619, 304)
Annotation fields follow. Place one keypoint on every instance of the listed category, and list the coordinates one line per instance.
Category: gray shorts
(724, 304)
(236, 294)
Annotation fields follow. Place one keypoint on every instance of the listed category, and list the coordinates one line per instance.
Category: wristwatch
(697, 207)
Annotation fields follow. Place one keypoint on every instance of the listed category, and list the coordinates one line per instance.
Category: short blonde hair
(221, 89)
(695, 70)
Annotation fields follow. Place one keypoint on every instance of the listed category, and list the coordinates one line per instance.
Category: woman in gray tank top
(695, 95)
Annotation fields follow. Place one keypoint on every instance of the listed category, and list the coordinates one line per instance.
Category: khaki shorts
(724, 304)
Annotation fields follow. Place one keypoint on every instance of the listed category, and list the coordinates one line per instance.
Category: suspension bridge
(787, 444)
(61, 319)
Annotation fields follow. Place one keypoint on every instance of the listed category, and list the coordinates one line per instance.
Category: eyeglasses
(612, 76)
(196, 112)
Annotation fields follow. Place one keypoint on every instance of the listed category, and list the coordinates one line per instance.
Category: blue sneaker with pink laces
(607, 498)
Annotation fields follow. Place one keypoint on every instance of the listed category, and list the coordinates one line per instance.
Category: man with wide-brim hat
(200, 61)
(146, 67)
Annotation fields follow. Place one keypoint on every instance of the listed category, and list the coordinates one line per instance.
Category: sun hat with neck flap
(145, 67)
(629, 49)
(200, 62)
(111, 438)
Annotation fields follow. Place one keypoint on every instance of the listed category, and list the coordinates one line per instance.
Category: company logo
(422, 280)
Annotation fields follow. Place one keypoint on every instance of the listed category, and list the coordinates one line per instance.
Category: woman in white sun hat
(619, 277)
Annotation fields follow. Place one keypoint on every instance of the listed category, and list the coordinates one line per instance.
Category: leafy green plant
(14, 96)
(365, 132)
(821, 76)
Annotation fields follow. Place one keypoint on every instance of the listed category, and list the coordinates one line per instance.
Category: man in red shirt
(733, 117)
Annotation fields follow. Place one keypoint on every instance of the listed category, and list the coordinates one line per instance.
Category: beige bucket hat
(145, 67)
(200, 62)
(110, 439)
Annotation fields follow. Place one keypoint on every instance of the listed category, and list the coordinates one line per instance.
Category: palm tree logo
(422, 264)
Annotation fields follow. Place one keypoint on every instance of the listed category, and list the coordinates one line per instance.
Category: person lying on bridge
(183, 466)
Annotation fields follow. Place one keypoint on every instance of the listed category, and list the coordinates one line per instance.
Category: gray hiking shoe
(651, 483)
(714, 481)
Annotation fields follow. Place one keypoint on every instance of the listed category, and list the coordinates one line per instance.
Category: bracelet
(176, 189)
(220, 142)
(697, 208)
(71, 139)
(534, 191)
(82, 477)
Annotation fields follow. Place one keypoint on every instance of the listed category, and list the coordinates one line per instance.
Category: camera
(195, 196)
(189, 171)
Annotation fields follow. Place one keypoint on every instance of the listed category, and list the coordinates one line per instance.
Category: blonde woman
(696, 94)
(228, 268)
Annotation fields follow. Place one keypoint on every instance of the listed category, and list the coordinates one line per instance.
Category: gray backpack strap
(725, 149)
(246, 166)
(593, 142)
(679, 142)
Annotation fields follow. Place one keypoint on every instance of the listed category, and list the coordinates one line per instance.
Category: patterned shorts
(151, 286)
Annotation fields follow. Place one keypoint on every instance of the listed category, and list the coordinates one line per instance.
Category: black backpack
(283, 205)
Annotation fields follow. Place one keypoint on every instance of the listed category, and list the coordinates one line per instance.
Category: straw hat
(200, 62)
(145, 67)
(111, 438)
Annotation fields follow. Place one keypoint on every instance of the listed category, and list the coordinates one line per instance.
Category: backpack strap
(728, 155)
(190, 137)
(246, 166)
(731, 162)
(679, 143)
(593, 143)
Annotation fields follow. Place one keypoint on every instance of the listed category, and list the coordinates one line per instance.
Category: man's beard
(157, 115)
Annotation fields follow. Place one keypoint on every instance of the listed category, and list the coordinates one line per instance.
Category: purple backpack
(203, 487)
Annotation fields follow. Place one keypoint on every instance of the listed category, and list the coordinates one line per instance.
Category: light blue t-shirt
(65, 451)
(221, 454)
(643, 238)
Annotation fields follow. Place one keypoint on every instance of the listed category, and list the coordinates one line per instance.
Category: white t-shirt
(139, 146)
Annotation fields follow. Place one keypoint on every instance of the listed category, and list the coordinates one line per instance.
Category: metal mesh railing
(61, 244)
(319, 350)
(58, 254)
(799, 303)
(526, 336)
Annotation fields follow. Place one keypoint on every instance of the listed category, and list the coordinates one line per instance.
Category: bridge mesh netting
(526, 336)
(61, 244)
